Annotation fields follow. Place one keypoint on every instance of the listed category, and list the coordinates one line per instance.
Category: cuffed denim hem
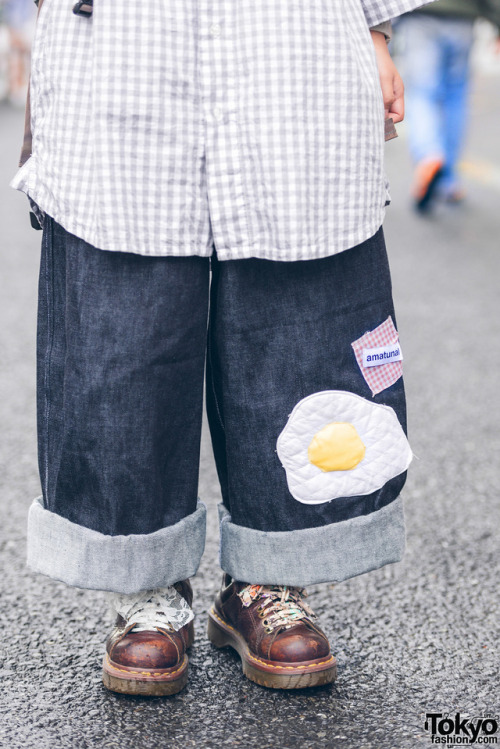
(86, 558)
(330, 553)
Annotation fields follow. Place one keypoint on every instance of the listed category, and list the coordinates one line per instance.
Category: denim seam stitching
(49, 287)
(210, 360)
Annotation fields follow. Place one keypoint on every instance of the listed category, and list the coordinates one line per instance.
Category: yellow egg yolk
(336, 447)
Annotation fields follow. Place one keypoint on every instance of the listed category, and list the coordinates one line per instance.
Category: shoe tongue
(152, 609)
(249, 594)
(252, 593)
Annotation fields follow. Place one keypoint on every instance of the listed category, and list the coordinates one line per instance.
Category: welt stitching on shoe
(146, 673)
(257, 660)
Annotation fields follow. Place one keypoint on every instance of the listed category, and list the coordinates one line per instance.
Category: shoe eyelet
(269, 630)
(261, 614)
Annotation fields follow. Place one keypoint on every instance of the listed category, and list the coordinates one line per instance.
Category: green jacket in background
(489, 9)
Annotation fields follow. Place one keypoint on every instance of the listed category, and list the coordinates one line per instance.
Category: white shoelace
(161, 607)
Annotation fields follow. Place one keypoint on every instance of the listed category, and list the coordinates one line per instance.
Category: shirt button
(217, 113)
(215, 29)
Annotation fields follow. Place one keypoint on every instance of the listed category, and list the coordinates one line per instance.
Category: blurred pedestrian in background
(436, 43)
(19, 17)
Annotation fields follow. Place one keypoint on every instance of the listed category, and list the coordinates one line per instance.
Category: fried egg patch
(337, 444)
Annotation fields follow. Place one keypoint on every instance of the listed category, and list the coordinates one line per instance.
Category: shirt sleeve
(385, 28)
(378, 11)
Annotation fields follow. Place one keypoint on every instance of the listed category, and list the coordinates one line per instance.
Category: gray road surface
(421, 636)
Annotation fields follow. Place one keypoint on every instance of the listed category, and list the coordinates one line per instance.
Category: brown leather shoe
(271, 629)
(146, 651)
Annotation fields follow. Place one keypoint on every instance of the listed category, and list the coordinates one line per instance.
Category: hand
(390, 80)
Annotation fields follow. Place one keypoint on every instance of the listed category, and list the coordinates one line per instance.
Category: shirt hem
(305, 253)
(22, 181)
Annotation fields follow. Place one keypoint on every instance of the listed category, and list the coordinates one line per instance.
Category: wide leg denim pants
(124, 342)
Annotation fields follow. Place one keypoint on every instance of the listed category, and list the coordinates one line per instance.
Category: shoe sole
(134, 681)
(266, 673)
(145, 683)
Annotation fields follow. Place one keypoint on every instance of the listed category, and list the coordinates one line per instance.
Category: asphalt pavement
(418, 637)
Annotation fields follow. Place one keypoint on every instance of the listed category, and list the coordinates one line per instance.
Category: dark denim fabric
(278, 332)
(121, 354)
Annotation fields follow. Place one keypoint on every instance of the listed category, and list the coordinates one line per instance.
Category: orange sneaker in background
(426, 176)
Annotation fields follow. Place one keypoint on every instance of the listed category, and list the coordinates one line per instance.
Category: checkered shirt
(381, 377)
(178, 127)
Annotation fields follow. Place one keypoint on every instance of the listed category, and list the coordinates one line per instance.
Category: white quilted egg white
(387, 454)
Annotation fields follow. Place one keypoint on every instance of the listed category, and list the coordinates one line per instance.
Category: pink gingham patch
(383, 376)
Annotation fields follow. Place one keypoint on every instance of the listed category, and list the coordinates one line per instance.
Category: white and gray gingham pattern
(178, 126)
